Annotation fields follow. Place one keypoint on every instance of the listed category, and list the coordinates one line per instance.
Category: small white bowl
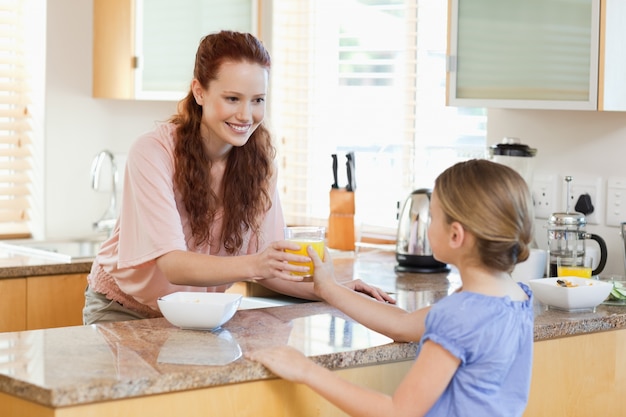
(199, 310)
(585, 295)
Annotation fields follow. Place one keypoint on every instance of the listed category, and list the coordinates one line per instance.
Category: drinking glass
(306, 236)
(573, 268)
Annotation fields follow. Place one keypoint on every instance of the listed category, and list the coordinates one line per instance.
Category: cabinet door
(167, 37)
(612, 95)
(12, 305)
(146, 49)
(55, 301)
(539, 54)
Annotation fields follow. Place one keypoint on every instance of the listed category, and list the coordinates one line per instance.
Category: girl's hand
(284, 361)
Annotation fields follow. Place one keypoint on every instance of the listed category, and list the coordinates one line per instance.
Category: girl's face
(233, 105)
(438, 230)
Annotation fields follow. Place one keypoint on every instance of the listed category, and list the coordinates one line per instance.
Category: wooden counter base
(579, 376)
(274, 397)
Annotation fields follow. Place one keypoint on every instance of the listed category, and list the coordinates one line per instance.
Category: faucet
(108, 219)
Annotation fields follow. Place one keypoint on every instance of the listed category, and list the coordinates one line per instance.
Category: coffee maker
(567, 236)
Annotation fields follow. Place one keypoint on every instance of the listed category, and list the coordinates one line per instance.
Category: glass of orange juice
(574, 269)
(306, 236)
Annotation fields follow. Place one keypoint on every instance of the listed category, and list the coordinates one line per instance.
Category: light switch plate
(615, 201)
(544, 195)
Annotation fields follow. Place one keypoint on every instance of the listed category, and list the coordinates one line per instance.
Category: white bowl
(532, 268)
(586, 295)
(199, 310)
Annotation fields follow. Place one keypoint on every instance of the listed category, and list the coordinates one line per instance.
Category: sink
(66, 250)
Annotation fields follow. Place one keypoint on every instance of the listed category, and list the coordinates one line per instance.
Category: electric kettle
(413, 251)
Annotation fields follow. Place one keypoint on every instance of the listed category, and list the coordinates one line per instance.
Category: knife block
(341, 234)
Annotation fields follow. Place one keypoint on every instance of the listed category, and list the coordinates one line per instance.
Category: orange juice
(318, 245)
(574, 271)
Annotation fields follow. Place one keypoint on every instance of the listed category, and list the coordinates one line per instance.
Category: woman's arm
(190, 268)
(423, 385)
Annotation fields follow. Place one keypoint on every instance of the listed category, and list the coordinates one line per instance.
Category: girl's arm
(384, 318)
(423, 385)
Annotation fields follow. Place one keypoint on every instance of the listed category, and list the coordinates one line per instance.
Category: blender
(567, 236)
(512, 153)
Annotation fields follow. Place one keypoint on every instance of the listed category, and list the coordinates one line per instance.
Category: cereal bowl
(199, 310)
(578, 294)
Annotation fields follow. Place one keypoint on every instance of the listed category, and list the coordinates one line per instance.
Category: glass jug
(566, 242)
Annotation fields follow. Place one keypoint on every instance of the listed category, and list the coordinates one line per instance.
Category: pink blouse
(152, 222)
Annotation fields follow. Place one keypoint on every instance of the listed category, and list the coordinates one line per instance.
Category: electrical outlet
(579, 186)
(544, 195)
(615, 201)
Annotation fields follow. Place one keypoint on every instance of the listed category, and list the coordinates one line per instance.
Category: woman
(475, 352)
(200, 207)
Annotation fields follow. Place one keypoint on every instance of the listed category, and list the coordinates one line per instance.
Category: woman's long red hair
(249, 168)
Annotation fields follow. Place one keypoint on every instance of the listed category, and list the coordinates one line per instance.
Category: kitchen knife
(335, 184)
(350, 167)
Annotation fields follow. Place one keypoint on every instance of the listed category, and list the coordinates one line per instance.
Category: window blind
(337, 86)
(366, 76)
(15, 127)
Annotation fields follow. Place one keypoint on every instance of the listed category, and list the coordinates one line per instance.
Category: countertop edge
(202, 377)
(42, 269)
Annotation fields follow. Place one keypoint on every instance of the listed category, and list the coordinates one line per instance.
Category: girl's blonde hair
(492, 201)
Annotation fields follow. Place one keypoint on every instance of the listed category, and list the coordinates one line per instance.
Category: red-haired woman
(200, 208)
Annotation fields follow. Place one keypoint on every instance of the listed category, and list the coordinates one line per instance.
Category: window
(366, 76)
(16, 120)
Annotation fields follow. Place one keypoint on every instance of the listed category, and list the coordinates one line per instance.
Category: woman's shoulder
(153, 147)
(162, 135)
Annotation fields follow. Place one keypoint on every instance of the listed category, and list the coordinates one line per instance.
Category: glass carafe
(566, 241)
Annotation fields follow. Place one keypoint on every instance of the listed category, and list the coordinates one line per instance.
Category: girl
(475, 351)
(200, 206)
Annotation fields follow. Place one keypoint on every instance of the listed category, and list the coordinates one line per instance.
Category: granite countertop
(16, 265)
(145, 357)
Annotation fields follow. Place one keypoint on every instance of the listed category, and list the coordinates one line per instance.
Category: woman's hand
(374, 292)
(273, 262)
(284, 361)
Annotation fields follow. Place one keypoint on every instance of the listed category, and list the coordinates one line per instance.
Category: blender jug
(514, 154)
(566, 241)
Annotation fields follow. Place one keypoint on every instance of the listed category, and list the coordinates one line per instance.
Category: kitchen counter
(17, 265)
(65, 371)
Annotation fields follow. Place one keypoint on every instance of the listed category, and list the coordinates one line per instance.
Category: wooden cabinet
(146, 49)
(55, 301)
(579, 376)
(537, 54)
(12, 305)
(42, 302)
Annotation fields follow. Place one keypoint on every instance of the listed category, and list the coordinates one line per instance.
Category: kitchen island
(149, 367)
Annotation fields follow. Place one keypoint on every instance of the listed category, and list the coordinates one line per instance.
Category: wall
(571, 143)
(78, 126)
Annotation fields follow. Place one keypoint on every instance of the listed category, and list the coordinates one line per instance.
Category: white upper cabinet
(145, 49)
(537, 54)
(612, 82)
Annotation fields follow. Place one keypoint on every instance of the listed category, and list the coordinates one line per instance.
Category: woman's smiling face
(233, 105)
